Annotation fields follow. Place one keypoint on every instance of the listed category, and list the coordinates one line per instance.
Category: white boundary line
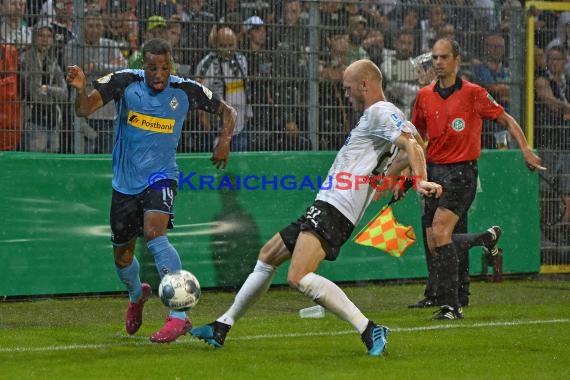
(143, 341)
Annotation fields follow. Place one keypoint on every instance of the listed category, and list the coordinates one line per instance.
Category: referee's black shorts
(459, 182)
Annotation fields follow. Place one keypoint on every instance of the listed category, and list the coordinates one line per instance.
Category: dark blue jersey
(148, 124)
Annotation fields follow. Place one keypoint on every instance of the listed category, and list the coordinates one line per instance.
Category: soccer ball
(179, 290)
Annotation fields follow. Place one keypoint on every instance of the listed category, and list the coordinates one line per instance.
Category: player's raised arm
(85, 104)
(416, 159)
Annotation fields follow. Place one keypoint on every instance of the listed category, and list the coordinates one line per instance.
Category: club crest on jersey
(397, 121)
(105, 79)
(458, 124)
(174, 103)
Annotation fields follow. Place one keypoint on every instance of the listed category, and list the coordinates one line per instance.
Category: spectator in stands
(163, 8)
(399, 73)
(379, 13)
(180, 54)
(13, 27)
(507, 9)
(121, 25)
(225, 72)
(492, 72)
(63, 28)
(553, 102)
(539, 62)
(545, 26)
(460, 14)
(293, 139)
(357, 32)
(229, 14)
(100, 6)
(63, 25)
(485, 14)
(289, 42)
(44, 90)
(10, 116)
(155, 28)
(563, 36)
(406, 17)
(64, 31)
(375, 46)
(430, 26)
(334, 20)
(100, 57)
(47, 10)
(552, 115)
(336, 117)
(197, 22)
(259, 83)
(174, 31)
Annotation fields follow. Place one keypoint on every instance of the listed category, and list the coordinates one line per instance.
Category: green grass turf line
(512, 330)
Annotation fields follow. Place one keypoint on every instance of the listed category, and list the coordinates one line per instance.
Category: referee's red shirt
(452, 127)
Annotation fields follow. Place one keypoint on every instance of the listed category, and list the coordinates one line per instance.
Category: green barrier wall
(54, 234)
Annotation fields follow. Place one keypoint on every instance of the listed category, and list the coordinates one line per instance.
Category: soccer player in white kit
(328, 223)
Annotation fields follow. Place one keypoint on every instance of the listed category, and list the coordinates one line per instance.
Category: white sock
(327, 294)
(252, 289)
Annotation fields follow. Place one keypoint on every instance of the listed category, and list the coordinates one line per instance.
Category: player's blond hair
(366, 69)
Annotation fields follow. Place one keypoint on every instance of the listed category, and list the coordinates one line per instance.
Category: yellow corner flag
(385, 233)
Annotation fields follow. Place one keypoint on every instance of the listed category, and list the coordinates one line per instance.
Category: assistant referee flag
(385, 233)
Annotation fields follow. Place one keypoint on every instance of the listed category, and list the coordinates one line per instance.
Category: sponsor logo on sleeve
(397, 121)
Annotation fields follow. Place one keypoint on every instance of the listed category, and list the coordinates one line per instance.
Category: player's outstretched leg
(213, 333)
(172, 329)
(252, 289)
(491, 249)
(134, 318)
(375, 337)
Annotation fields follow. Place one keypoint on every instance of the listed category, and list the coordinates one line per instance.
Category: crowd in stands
(260, 57)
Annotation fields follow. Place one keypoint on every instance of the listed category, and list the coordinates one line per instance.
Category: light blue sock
(165, 255)
(177, 314)
(130, 277)
(167, 260)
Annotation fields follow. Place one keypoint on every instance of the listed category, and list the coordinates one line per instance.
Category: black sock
(463, 258)
(466, 241)
(433, 273)
(447, 278)
(431, 283)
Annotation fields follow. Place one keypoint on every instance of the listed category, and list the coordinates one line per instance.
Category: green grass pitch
(518, 329)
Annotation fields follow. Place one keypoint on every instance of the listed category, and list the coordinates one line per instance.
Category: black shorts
(459, 182)
(127, 211)
(331, 227)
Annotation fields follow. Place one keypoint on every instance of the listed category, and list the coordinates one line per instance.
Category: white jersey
(369, 148)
